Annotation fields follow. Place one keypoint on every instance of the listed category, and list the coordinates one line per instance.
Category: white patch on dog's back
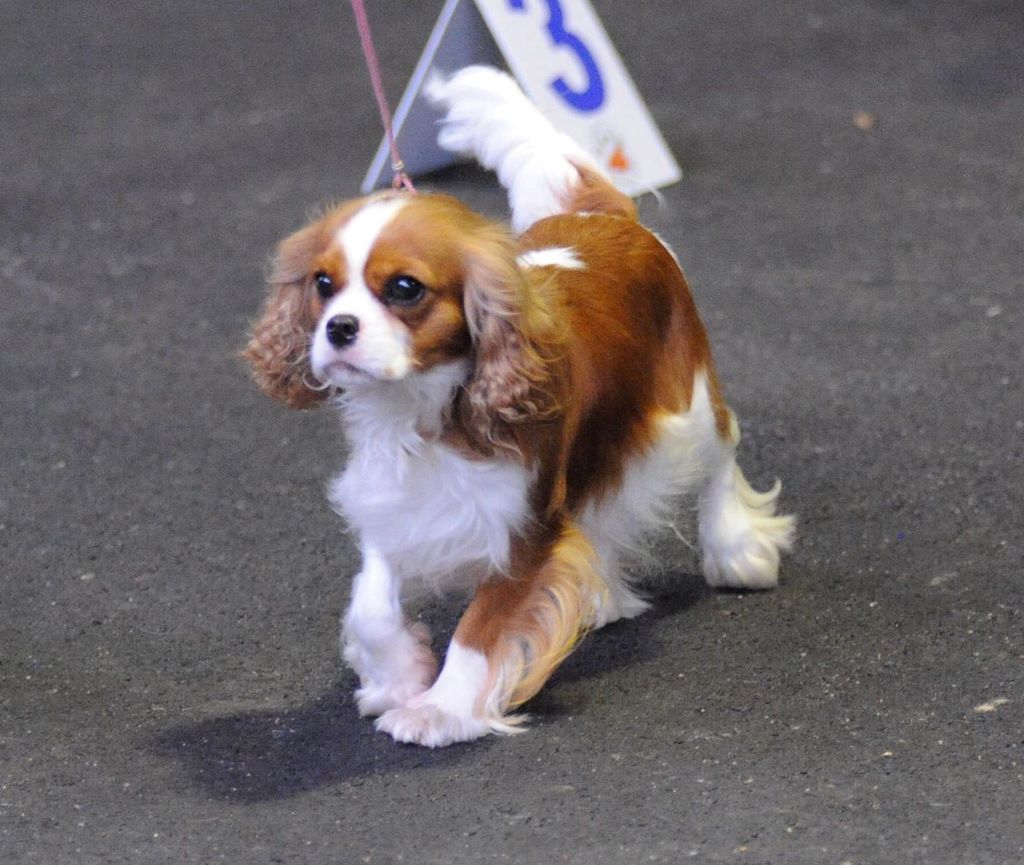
(554, 256)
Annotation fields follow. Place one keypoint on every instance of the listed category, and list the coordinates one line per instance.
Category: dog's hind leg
(741, 535)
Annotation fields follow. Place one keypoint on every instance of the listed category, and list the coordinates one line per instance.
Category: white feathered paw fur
(458, 707)
(424, 723)
(741, 536)
(395, 677)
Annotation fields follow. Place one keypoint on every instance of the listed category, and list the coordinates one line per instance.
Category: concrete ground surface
(851, 223)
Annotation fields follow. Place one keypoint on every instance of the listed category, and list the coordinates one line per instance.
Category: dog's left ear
(278, 349)
(513, 337)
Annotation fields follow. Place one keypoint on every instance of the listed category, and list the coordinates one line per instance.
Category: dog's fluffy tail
(545, 171)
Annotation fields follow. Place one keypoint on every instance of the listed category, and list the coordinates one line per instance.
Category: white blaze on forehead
(554, 256)
(357, 236)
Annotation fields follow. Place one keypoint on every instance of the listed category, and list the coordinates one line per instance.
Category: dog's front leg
(515, 632)
(391, 657)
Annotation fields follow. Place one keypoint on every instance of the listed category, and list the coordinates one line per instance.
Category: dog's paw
(751, 565)
(375, 699)
(747, 557)
(431, 726)
(392, 677)
(742, 537)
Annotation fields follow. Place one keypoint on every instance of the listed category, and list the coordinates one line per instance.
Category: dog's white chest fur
(428, 509)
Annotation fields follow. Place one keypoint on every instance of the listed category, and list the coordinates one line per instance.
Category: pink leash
(373, 65)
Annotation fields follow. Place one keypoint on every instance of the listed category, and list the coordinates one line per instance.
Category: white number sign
(562, 57)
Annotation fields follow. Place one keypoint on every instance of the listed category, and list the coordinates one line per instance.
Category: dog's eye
(403, 290)
(324, 284)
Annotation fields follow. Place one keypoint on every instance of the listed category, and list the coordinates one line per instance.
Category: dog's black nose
(342, 330)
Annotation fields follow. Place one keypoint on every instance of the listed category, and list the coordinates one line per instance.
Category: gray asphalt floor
(852, 223)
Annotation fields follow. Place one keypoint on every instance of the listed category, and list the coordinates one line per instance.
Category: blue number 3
(592, 96)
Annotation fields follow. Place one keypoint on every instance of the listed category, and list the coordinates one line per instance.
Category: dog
(521, 408)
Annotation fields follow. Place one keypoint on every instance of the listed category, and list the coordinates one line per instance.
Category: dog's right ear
(514, 340)
(278, 348)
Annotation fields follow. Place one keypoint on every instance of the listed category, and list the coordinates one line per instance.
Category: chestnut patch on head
(415, 271)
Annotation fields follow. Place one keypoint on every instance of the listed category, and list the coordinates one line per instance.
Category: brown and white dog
(521, 409)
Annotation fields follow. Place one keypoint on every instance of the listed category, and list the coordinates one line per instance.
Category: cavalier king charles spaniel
(522, 407)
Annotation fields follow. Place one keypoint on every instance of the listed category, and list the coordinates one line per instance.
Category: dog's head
(388, 287)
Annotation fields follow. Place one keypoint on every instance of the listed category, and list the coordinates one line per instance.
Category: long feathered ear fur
(278, 348)
(514, 339)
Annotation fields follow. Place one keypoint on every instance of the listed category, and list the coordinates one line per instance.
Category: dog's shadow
(273, 755)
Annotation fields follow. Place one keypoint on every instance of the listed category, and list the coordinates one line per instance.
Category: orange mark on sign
(619, 161)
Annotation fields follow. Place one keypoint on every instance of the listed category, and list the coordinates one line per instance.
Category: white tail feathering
(489, 117)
